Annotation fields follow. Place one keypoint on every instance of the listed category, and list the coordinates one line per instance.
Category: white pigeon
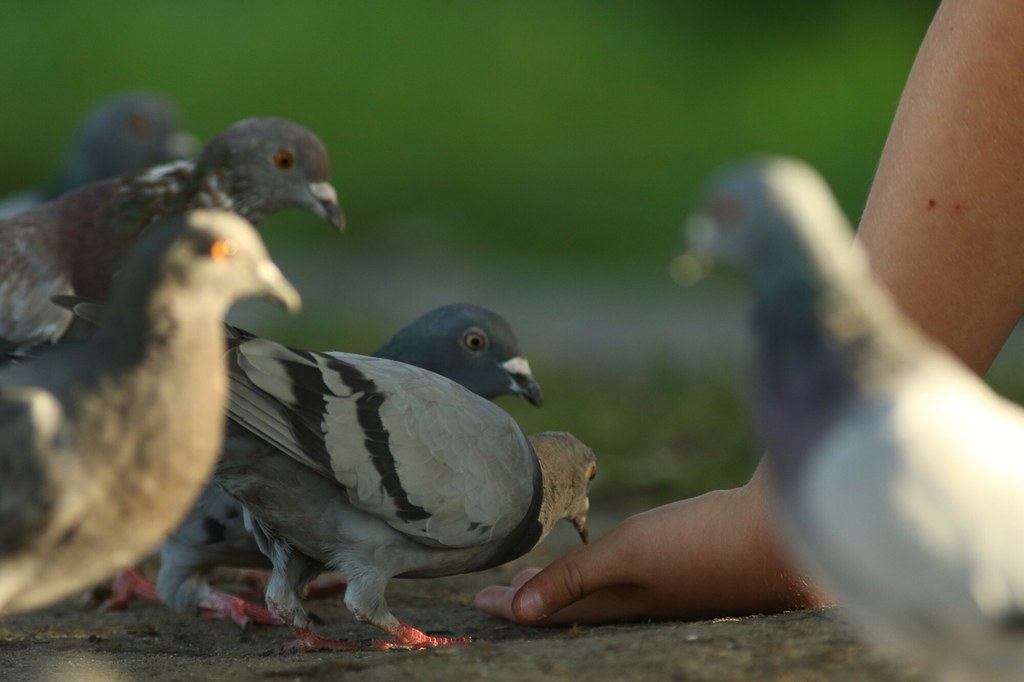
(899, 473)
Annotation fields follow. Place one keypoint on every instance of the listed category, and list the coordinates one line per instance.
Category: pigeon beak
(523, 382)
(580, 522)
(694, 263)
(181, 145)
(327, 204)
(277, 287)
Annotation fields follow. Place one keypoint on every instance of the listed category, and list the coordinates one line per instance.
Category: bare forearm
(944, 222)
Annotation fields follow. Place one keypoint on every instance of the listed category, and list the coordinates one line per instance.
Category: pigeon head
(470, 345)
(764, 216)
(567, 467)
(122, 135)
(216, 252)
(270, 164)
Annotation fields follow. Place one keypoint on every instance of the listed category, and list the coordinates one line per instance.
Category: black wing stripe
(376, 437)
(310, 400)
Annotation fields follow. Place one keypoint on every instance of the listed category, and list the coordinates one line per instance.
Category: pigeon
(106, 443)
(123, 134)
(899, 474)
(469, 344)
(379, 469)
(74, 243)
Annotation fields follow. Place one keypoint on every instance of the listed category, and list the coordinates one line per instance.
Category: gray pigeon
(378, 469)
(105, 444)
(123, 134)
(471, 345)
(899, 473)
(74, 244)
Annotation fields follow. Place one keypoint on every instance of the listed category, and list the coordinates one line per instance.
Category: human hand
(714, 555)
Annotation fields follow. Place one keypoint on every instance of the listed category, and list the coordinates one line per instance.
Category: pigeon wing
(430, 458)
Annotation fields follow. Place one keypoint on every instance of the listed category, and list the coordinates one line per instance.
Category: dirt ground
(73, 642)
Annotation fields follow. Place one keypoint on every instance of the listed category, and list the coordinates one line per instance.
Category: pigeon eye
(727, 211)
(223, 249)
(139, 124)
(475, 340)
(284, 160)
(592, 473)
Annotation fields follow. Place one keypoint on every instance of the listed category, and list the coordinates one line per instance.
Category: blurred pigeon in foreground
(900, 474)
(105, 444)
(121, 135)
(75, 243)
(378, 469)
(466, 343)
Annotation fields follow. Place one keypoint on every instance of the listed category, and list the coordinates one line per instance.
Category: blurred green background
(554, 129)
(561, 136)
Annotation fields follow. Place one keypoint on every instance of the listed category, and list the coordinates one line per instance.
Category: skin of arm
(944, 229)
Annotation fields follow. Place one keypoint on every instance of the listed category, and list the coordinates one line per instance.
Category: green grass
(660, 435)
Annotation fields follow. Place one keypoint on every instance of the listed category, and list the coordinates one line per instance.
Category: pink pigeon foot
(223, 606)
(129, 585)
(407, 637)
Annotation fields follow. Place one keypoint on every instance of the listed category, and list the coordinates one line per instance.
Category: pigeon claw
(128, 586)
(408, 638)
(223, 606)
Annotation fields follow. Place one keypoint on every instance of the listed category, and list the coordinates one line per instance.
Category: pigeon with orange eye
(75, 243)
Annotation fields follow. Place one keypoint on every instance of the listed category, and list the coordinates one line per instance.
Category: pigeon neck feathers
(827, 336)
(149, 319)
(802, 378)
(567, 467)
(99, 222)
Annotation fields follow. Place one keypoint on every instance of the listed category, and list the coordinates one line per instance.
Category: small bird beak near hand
(580, 522)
